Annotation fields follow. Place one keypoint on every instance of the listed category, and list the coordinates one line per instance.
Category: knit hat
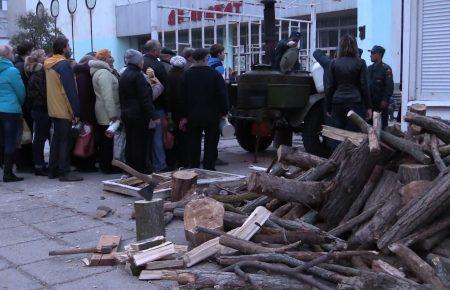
(133, 56)
(103, 54)
(178, 61)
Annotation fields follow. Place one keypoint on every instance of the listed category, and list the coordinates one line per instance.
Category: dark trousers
(211, 142)
(339, 115)
(11, 124)
(137, 140)
(106, 148)
(60, 146)
(384, 114)
(41, 135)
(24, 157)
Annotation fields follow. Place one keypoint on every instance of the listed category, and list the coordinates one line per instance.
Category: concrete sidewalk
(39, 215)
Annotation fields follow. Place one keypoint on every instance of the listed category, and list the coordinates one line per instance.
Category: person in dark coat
(282, 46)
(87, 107)
(152, 53)
(37, 95)
(347, 86)
(24, 157)
(175, 95)
(135, 95)
(205, 103)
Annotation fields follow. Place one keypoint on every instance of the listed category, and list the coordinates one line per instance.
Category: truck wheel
(313, 142)
(247, 140)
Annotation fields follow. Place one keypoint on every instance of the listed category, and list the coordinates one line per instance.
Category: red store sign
(234, 7)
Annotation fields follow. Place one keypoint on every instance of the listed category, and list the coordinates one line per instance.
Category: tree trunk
(308, 192)
(406, 146)
(360, 201)
(411, 172)
(289, 156)
(184, 182)
(348, 184)
(205, 212)
(149, 217)
(437, 127)
(418, 214)
(422, 270)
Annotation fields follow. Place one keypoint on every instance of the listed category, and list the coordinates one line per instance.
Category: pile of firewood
(374, 215)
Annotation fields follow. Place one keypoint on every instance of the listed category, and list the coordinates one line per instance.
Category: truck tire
(313, 142)
(247, 140)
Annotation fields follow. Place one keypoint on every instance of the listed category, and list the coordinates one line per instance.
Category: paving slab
(13, 279)
(9, 221)
(30, 252)
(23, 205)
(20, 234)
(115, 280)
(59, 270)
(4, 264)
(39, 215)
(90, 237)
(68, 225)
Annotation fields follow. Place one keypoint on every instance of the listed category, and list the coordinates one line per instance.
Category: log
(348, 184)
(153, 254)
(320, 172)
(170, 206)
(211, 247)
(360, 201)
(440, 128)
(148, 243)
(374, 144)
(398, 143)
(381, 266)
(233, 198)
(441, 267)
(444, 150)
(247, 247)
(341, 135)
(384, 189)
(296, 211)
(184, 183)
(436, 155)
(337, 255)
(289, 156)
(432, 204)
(252, 205)
(168, 217)
(430, 230)
(429, 243)
(308, 192)
(356, 221)
(282, 210)
(288, 237)
(310, 217)
(413, 189)
(420, 109)
(412, 172)
(443, 249)
(342, 151)
(418, 266)
(205, 212)
(204, 279)
(165, 264)
(377, 124)
(149, 217)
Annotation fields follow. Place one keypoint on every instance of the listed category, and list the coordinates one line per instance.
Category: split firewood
(412, 172)
(436, 155)
(440, 128)
(341, 135)
(164, 264)
(301, 159)
(308, 192)
(184, 183)
(205, 212)
(420, 268)
(374, 143)
(348, 184)
(203, 279)
(148, 243)
(420, 213)
(153, 254)
(377, 124)
(360, 201)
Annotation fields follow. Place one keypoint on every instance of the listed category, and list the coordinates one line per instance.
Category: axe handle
(73, 251)
(129, 170)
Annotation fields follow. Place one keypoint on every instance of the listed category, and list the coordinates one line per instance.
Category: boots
(8, 175)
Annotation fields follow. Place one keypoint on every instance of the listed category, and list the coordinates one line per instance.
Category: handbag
(84, 145)
(168, 138)
(26, 137)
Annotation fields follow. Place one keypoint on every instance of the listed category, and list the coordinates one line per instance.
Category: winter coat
(12, 89)
(205, 96)
(86, 93)
(347, 83)
(135, 94)
(37, 89)
(175, 91)
(62, 95)
(217, 64)
(161, 75)
(106, 87)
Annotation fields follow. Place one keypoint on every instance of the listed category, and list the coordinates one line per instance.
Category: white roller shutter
(434, 50)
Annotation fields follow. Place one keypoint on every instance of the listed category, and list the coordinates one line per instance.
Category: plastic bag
(84, 145)
(119, 144)
(26, 134)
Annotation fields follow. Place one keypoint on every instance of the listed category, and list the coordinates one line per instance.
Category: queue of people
(154, 112)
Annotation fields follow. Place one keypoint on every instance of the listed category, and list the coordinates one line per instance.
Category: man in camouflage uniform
(381, 83)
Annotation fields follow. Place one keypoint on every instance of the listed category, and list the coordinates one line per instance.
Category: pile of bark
(374, 215)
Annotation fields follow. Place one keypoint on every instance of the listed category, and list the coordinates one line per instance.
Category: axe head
(147, 191)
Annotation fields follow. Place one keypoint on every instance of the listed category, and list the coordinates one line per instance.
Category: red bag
(84, 145)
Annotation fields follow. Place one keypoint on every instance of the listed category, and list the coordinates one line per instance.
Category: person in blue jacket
(12, 97)
(217, 52)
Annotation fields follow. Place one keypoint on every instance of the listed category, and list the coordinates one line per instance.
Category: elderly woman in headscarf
(136, 95)
(37, 94)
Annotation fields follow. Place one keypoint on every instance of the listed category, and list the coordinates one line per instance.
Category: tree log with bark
(437, 127)
(289, 156)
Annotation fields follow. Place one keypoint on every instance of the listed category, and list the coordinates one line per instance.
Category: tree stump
(420, 109)
(207, 213)
(149, 219)
(184, 182)
(412, 172)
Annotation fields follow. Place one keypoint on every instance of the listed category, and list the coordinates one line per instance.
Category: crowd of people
(152, 114)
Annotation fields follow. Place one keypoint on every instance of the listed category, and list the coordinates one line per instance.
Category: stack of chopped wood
(375, 215)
